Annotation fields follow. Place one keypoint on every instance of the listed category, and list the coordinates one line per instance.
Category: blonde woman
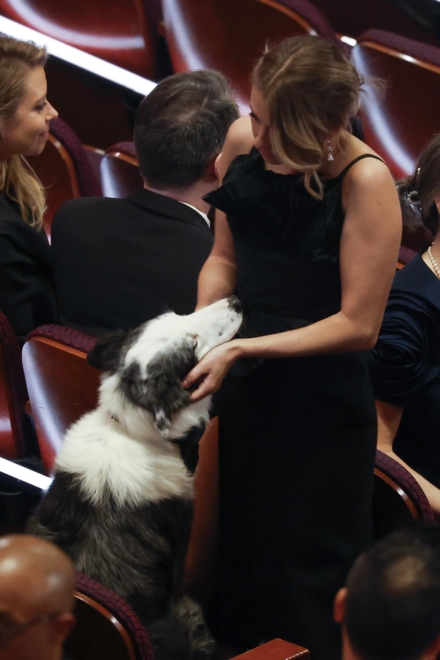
(310, 244)
(405, 363)
(26, 287)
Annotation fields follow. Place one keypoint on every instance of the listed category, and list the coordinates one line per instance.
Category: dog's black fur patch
(161, 392)
(109, 351)
(138, 552)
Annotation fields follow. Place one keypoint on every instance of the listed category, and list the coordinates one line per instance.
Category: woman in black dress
(311, 254)
(405, 363)
(27, 295)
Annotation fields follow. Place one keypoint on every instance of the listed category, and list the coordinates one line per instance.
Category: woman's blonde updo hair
(17, 179)
(419, 192)
(310, 89)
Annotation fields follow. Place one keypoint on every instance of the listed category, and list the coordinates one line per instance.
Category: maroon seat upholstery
(62, 386)
(107, 627)
(64, 169)
(399, 125)
(119, 170)
(88, 183)
(229, 36)
(398, 496)
(13, 395)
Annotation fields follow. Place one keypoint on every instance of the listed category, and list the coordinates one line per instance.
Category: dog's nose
(235, 304)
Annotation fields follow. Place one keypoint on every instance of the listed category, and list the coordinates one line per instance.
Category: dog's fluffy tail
(183, 634)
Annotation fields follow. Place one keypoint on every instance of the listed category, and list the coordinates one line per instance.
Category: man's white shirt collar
(204, 216)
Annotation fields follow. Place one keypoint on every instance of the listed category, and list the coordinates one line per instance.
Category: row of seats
(397, 125)
(129, 34)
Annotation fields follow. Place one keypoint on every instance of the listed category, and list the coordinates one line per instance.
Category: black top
(405, 365)
(283, 235)
(297, 436)
(121, 262)
(27, 296)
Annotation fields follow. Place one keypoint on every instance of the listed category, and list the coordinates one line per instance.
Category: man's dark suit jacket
(27, 293)
(120, 262)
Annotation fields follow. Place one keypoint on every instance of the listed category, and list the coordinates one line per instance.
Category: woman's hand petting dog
(209, 373)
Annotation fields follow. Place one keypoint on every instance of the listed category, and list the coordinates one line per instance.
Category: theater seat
(117, 31)
(61, 384)
(229, 36)
(119, 171)
(64, 169)
(399, 125)
(398, 497)
(106, 626)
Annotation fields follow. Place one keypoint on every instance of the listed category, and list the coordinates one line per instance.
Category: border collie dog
(121, 501)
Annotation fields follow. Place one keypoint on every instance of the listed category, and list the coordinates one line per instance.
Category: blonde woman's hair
(17, 179)
(310, 89)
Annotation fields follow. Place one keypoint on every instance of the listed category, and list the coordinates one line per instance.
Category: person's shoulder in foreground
(390, 606)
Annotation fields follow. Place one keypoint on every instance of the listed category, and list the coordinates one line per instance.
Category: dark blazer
(120, 262)
(27, 294)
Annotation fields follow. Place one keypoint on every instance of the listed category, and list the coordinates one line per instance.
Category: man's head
(36, 598)
(181, 126)
(390, 607)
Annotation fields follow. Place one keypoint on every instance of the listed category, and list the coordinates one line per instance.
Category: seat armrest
(276, 649)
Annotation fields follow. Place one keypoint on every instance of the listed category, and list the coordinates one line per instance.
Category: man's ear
(217, 165)
(210, 175)
(339, 605)
(62, 625)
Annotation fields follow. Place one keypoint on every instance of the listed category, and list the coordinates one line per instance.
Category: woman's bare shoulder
(239, 140)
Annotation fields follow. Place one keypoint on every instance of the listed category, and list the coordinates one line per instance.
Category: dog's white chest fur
(104, 459)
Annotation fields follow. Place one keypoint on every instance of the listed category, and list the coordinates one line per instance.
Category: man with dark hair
(120, 262)
(390, 606)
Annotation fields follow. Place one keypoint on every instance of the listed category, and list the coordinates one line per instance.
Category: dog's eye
(195, 337)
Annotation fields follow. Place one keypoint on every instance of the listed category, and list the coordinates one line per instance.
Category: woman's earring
(330, 156)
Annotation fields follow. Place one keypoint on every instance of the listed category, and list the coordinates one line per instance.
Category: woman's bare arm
(388, 420)
(239, 140)
(369, 246)
(218, 275)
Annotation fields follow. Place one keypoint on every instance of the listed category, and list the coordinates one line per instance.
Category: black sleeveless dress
(298, 435)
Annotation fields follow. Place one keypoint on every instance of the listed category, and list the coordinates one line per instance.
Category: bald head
(36, 578)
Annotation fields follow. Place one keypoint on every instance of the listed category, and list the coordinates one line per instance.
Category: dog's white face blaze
(144, 369)
(209, 327)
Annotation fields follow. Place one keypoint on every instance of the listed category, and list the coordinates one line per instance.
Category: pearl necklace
(434, 264)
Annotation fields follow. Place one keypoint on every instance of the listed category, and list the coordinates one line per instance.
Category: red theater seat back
(229, 36)
(399, 124)
(62, 386)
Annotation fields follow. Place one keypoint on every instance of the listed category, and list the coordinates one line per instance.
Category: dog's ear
(106, 352)
(165, 394)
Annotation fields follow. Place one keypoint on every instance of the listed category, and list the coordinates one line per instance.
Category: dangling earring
(330, 156)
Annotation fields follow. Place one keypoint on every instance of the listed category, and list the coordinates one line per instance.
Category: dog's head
(148, 363)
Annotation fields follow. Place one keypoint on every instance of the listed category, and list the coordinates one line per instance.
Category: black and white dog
(121, 502)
